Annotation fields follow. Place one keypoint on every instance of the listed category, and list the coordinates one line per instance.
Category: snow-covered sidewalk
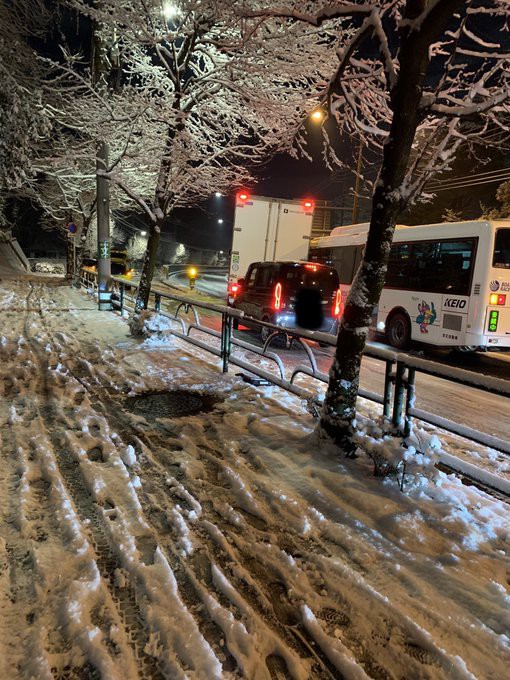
(226, 544)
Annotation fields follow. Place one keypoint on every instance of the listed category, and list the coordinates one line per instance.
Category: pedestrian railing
(399, 391)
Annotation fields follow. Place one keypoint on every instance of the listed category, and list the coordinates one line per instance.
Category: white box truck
(268, 230)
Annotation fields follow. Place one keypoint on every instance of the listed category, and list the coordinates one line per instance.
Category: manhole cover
(170, 404)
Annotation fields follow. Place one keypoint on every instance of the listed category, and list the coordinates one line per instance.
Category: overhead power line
(473, 183)
(481, 175)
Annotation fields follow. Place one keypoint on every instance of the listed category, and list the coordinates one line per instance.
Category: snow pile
(417, 455)
(151, 325)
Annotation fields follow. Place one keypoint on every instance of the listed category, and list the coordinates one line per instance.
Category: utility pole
(355, 205)
(101, 68)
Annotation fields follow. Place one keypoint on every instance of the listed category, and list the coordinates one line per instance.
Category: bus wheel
(398, 331)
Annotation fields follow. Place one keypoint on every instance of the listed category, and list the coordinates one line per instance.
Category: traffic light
(308, 205)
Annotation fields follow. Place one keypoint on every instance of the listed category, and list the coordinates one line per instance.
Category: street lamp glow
(220, 221)
(317, 116)
(143, 233)
(218, 194)
(170, 11)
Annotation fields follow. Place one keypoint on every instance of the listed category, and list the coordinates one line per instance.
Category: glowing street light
(317, 115)
(220, 221)
(170, 11)
(143, 233)
(217, 194)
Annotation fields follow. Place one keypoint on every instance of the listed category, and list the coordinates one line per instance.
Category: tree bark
(69, 256)
(161, 201)
(80, 244)
(339, 408)
(149, 263)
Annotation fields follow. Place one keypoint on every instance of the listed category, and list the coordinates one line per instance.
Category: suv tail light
(234, 289)
(338, 306)
(277, 297)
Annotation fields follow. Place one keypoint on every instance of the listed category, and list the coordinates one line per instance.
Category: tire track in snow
(123, 595)
(18, 588)
(367, 644)
(333, 618)
(16, 570)
(198, 566)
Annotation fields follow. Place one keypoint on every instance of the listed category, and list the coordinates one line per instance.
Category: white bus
(447, 285)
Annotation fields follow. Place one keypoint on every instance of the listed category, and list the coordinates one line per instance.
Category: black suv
(295, 295)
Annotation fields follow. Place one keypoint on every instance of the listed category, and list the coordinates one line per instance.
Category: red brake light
(313, 267)
(277, 301)
(338, 307)
(234, 289)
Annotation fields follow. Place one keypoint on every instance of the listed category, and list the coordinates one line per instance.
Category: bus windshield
(501, 257)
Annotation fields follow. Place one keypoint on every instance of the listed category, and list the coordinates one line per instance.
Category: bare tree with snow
(23, 118)
(416, 78)
(202, 109)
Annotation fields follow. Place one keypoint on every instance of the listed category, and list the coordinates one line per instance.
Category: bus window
(501, 257)
(346, 261)
(398, 273)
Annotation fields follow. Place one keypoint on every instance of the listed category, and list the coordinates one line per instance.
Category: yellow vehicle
(120, 264)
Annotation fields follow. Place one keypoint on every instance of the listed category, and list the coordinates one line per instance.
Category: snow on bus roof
(356, 234)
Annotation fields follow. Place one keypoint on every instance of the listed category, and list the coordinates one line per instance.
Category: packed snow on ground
(227, 544)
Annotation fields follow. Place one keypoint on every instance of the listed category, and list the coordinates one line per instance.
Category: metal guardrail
(399, 390)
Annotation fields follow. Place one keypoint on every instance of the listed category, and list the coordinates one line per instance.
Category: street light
(170, 11)
(217, 194)
(220, 221)
(143, 233)
(317, 115)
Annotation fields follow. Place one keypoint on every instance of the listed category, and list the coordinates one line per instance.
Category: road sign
(72, 228)
(104, 250)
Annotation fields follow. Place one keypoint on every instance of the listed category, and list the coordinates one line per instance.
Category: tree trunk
(80, 244)
(69, 256)
(161, 201)
(149, 263)
(339, 408)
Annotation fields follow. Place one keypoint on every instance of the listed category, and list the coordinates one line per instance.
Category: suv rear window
(324, 279)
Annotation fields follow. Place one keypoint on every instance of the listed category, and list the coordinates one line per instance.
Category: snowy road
(225, 544)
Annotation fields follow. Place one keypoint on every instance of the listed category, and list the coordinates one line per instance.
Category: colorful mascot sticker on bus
(427, 315)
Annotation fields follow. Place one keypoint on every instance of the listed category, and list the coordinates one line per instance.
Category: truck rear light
(277, 297)
(234, 289)
(338, 307)
(308, 205)
(243, 198)
(497, 299)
